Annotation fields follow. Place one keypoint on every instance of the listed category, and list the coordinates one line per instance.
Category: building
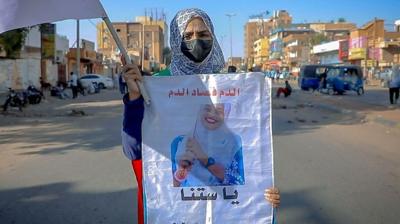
(328, 53)
(261, 52)
(258, 28)
(334, 31)
(42, 56)
(373, 47)
(148, 52)
(147, 20)
(252, 32)
(235, 61)
(296, 50)
(281, 19)
(397, 26)
(91, 62)
(296, 37)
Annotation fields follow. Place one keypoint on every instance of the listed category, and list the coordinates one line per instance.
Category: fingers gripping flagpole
(126, 56)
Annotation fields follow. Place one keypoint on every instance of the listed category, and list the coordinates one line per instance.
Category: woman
(195, 50)
(212, 154)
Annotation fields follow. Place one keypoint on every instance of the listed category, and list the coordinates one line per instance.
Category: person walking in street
(195, 50)
(394, 85)
(74, 85)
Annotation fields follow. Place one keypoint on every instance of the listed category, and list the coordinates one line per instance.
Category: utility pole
(78, 50)
(230, 15)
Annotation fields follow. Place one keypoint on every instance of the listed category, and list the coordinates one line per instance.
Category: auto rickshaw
(310, 76)
(345, 78)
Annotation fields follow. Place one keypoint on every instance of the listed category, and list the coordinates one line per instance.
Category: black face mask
(196, 50)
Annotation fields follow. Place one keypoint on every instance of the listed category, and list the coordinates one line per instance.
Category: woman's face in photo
(212, 116)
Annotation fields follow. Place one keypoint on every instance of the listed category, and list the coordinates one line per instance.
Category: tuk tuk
(310, 76)
(345, 78)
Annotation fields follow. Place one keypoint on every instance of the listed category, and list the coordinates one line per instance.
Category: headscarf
(182, 65)
(220, 144)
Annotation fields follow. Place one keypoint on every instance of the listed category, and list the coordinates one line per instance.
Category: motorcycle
(34, 95)
(14, 99)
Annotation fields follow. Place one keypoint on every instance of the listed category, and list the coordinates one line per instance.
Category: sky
(356, 11)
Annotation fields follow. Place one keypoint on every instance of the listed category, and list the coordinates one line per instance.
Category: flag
(16, 14)
(207, 149)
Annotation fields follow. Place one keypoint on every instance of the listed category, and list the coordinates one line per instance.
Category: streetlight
(230, 15)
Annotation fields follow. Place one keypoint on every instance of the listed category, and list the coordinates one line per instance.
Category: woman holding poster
(195, 50)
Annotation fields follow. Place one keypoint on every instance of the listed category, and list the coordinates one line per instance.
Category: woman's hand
(131, 74)
(272, 196)
(194, 147)
(186, 160)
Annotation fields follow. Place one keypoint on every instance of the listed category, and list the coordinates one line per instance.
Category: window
(334, 72)
(118, 30)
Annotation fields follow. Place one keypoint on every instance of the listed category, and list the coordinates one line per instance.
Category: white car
(102, 81)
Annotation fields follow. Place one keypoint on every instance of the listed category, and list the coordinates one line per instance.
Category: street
(337, 160)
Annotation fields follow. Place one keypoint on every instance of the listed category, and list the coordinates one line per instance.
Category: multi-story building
(295, 37)
(253, 31)
(281, 19)
(144, 42)
(261, 52)
(296, 50)
(334, 31)
(147, 20)
(258, 28)
(373, 47)
(327, 53)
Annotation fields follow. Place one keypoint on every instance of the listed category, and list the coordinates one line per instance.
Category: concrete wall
(33, 39)
(18, 74)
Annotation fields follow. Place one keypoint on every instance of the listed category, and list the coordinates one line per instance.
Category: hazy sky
(357, 11)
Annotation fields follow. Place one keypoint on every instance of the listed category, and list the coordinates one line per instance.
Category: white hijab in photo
(220, 144)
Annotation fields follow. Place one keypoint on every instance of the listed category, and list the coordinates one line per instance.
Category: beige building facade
(144, 42)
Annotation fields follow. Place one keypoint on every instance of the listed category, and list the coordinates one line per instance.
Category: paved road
(332, 167)
(335, 167)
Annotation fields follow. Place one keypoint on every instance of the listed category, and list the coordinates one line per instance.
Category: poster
(207, 149)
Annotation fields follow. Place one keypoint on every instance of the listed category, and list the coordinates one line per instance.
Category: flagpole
(126, 56)
(78, 50)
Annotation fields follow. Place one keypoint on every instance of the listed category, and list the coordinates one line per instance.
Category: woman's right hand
(131, 74)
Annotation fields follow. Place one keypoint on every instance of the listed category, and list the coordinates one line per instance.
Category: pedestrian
(74, 85)
(286, 91)
(195, 50)
(394, 85)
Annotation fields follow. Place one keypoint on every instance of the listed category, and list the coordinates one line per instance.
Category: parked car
(101, 81)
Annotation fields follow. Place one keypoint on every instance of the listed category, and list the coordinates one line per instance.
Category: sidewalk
(55, 107)
(372, 107)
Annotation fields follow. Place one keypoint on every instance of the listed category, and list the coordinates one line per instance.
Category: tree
(12, 41)
(318, 38)
(341, 20)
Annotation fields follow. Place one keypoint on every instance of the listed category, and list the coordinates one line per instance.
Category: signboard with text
(207, 149)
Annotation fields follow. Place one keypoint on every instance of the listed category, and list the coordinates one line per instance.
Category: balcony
(389, 43)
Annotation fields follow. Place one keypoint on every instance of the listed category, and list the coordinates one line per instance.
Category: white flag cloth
(224, 119)
(16, 14)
